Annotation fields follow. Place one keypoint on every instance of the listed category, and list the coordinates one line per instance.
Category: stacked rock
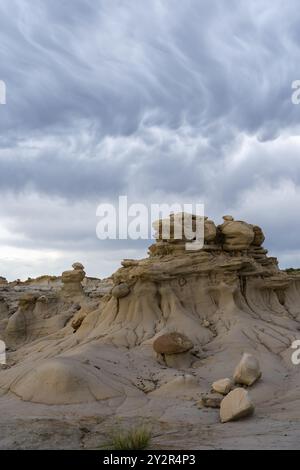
(174, 232)
(234, 237)
(72, 280)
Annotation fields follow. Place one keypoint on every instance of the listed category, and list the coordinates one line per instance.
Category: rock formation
(247, 371)
(72, 281)
(199, 310)
(236, 405)
(222, 386)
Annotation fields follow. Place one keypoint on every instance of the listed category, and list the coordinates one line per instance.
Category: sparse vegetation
(292, 270)
(137, 438)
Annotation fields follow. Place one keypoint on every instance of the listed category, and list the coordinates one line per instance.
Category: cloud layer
(188, 102)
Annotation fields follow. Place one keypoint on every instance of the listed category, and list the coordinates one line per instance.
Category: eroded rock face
(236, 405)
(220, 303)
(172, 343)
(247, 371)
(174, 232)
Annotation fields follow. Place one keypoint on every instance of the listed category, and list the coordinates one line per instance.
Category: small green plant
(133, 439)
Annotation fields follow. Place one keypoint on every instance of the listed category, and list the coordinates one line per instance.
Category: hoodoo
(158, 333)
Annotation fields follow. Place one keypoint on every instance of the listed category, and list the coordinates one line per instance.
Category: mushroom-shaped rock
(238, 235)
(121, 290)
(247, 371)
(172, 343)
(237, 404)
(222, 386)
(72, 281)
(70, 277)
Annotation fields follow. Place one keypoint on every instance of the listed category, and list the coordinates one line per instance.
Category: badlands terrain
(145, 347)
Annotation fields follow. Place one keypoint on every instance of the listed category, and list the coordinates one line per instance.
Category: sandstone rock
(100, 364)
(72, 281)
(78, 266)
(121, 290)
(27, 300)
(222, 386)
(172, 343)
(76, 323)
(210, 230)
(259, 237)
(182, 227)
(247, 371)
(238, 235)
(210, 401)
(237, 404)
(178, 361)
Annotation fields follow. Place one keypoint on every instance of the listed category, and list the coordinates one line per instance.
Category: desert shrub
(137, 438)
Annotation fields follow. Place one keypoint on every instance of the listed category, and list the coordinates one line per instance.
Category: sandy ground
(183, 426)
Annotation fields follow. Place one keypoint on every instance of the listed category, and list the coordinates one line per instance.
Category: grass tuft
(138, 438)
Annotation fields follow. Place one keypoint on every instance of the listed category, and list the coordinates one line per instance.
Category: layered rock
(72, 281)
(227, 298)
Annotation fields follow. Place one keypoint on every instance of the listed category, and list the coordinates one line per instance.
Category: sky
(158, 100)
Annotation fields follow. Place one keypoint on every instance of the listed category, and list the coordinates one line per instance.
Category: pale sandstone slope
(71, 345)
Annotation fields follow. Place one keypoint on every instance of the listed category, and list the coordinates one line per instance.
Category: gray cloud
(189, 102)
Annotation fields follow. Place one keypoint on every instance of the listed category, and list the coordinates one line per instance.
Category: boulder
(210, 230)
(247, 371)
(210, 401)
(237, 404)
(121, 290)
(172, 343)
(222, 386)
(72, 281)
(238, 235)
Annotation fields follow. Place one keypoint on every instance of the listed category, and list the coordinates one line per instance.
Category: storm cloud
(162, 101)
